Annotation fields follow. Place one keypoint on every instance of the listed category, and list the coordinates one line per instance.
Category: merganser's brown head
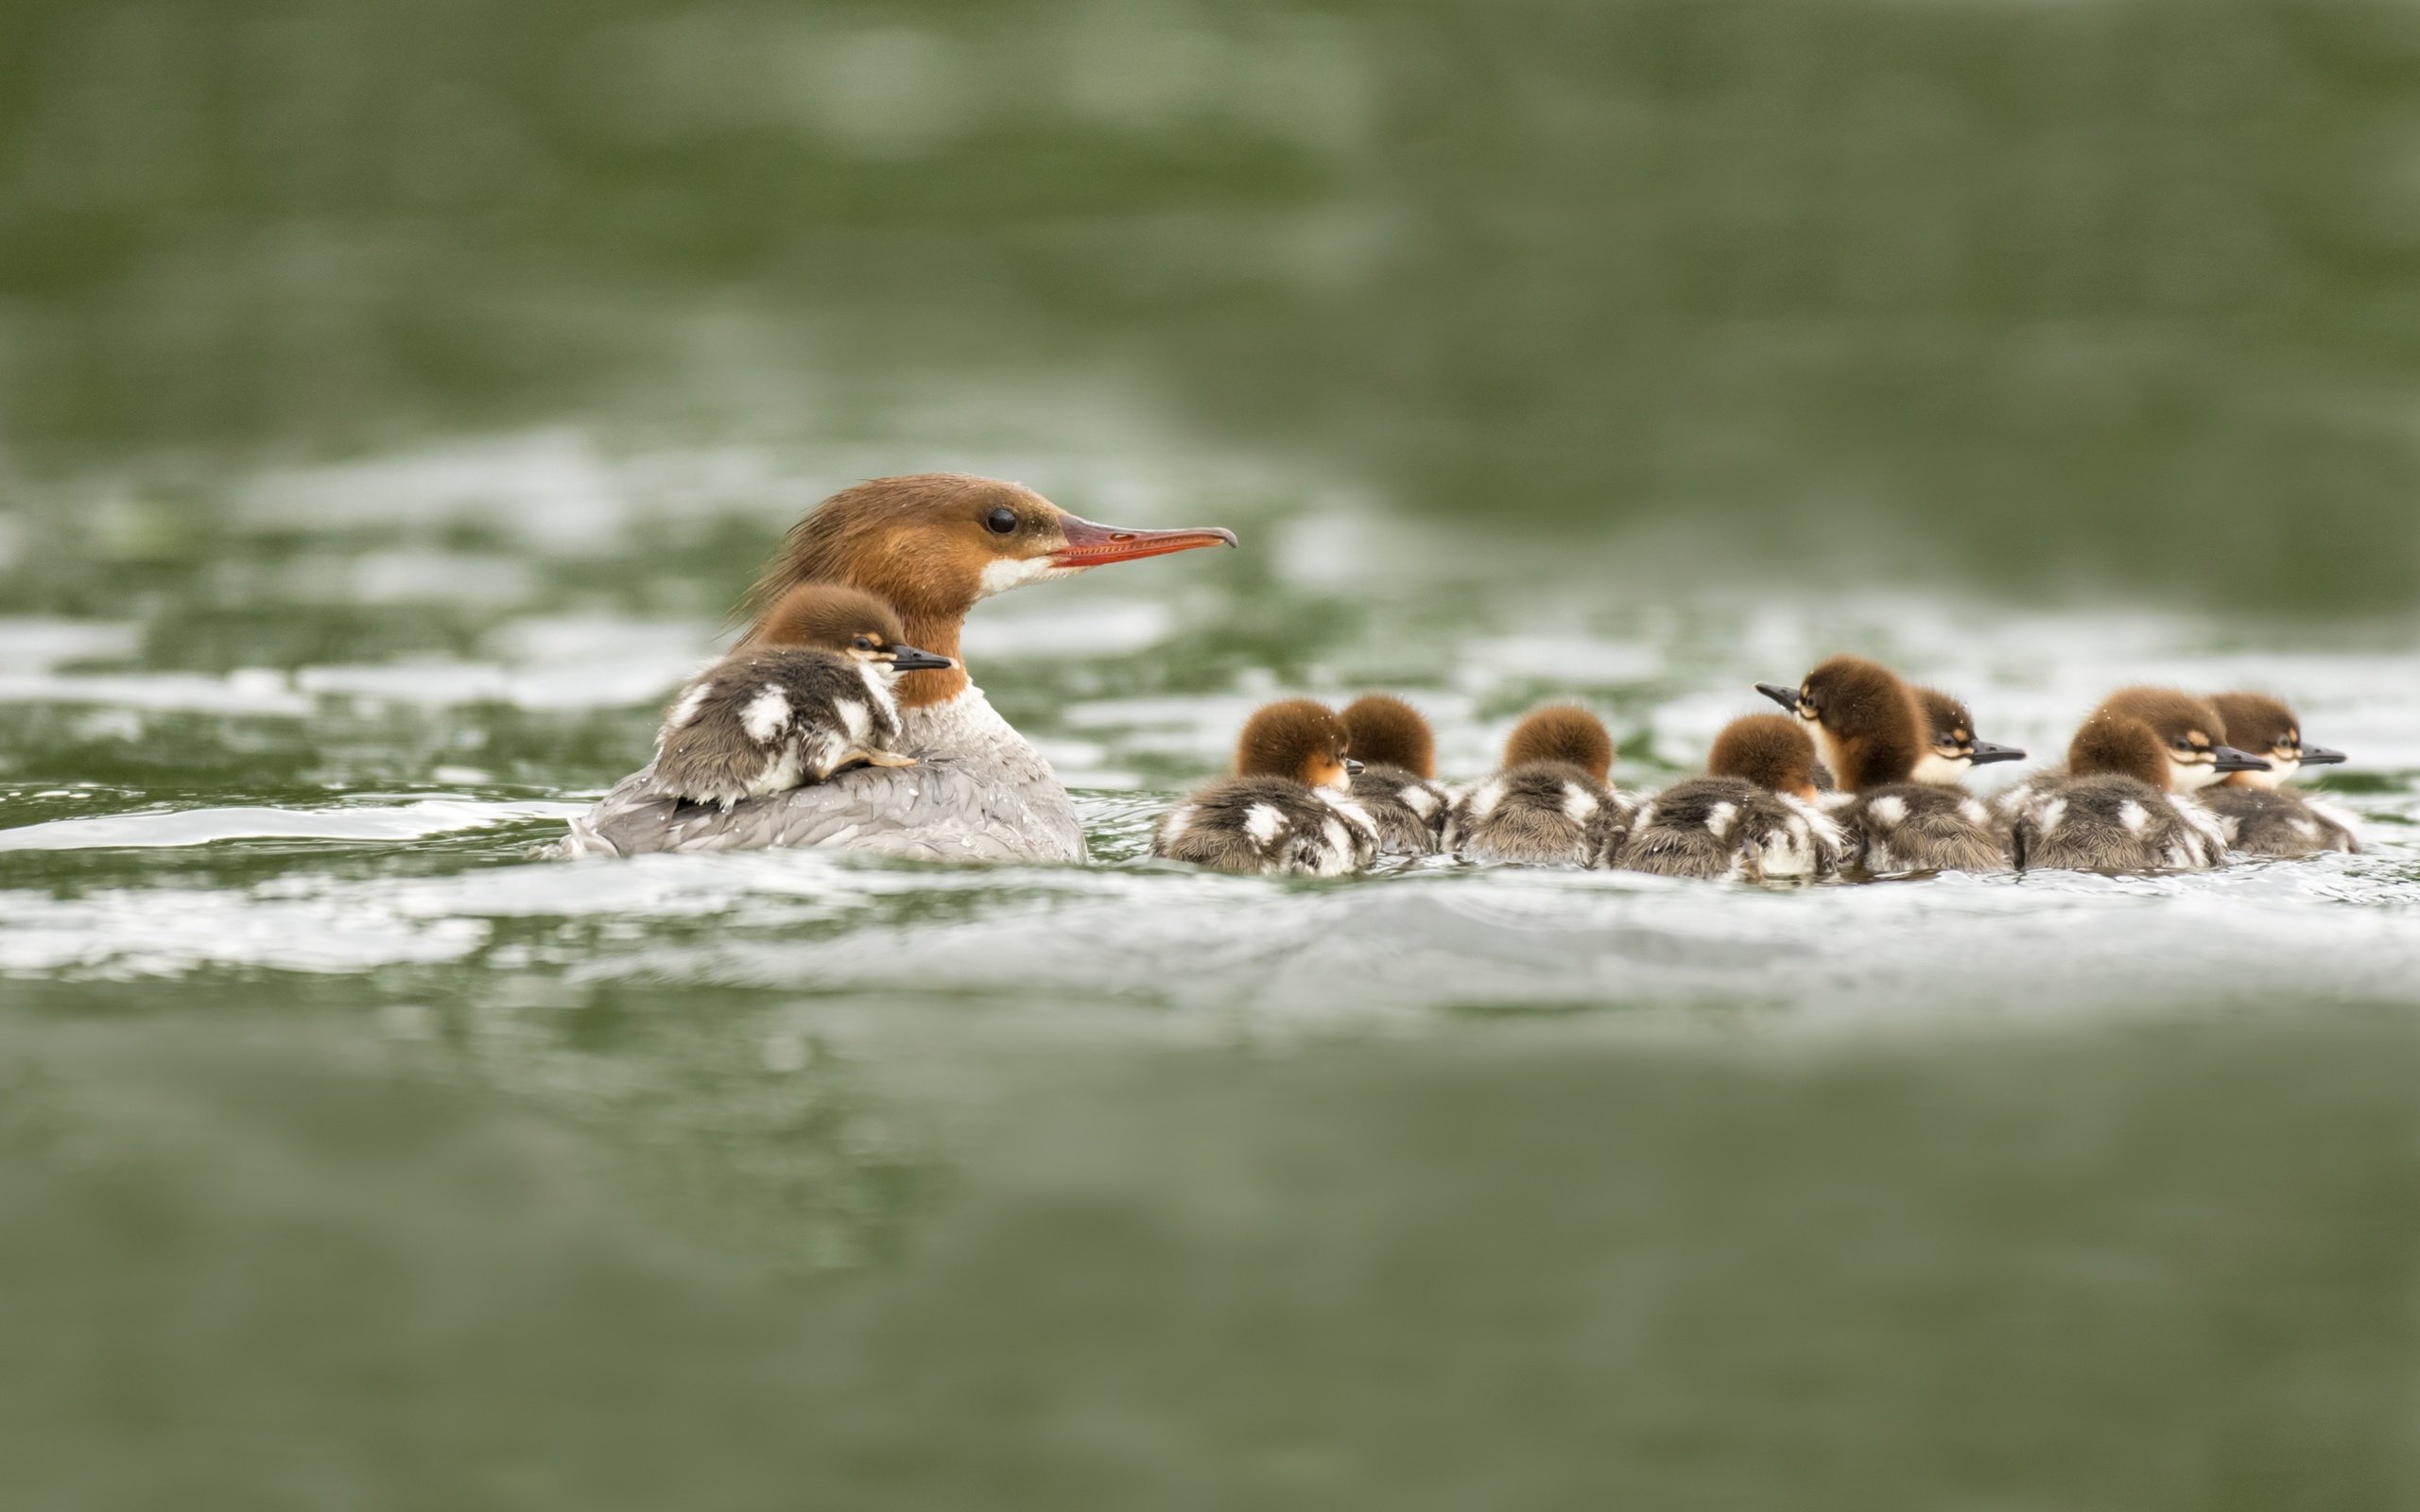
(1952, 750)
(1300, 738)
(2268, 729)
(934, 545)
(1561, 732)
(1388, 732)
(1771, 750)
(2171, 740)
(1872, 729)
(849, 621)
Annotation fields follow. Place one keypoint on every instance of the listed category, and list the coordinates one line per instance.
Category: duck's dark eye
(866, 643)
(1000, 522)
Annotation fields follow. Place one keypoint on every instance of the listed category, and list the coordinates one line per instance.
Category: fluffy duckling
(810, 691)
(1752, 817)
(1953, 751)
(1396, 785)
(1874, 731)
(2120, 805)
(1288, 808)
(2269, 820)
(1550, 803)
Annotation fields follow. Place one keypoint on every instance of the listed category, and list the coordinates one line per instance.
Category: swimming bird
(2122, 803)
(1398, 784)
(1550, 804)
(1874, 731)
(932, 545)
(1753, 817)
(1288, 808)
(2269, 818)
(1953, 751)
(811, 693)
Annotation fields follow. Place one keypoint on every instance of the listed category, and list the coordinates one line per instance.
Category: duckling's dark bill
(1786, 698)
(1095, 546)
(2229, 759)
(1986, 753)
(2322, 756)
(908, 658)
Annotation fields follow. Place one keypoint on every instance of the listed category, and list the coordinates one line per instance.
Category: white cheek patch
(1936, 771)
(1888, 810)
(1003, 573)
(1264, 824)
(2191, 776)
(767, 714)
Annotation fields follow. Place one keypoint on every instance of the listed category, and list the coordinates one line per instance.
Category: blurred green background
(2090, 293)
(392, 391)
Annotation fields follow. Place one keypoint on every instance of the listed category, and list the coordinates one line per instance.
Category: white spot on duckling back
(1888, 810)
(1264, 823)
(1337, 856)
(1420, 799)
(690, 703)
(767, 714)
(1485, 797)
(854, 718)
(1974, 813)
(1720, 819)
(1578, 804)
(1178, 821)
(2052, 815)
(2134, 815)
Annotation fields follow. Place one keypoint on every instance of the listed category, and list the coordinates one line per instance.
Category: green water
(395, 397)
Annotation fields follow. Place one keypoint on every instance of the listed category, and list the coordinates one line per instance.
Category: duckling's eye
(1001, 521)
(866, 643)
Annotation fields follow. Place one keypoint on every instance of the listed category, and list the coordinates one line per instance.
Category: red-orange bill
(1092, 546)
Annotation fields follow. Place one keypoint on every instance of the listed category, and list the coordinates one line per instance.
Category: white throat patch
(1003, 573)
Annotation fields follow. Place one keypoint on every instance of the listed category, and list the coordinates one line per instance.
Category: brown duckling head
(2162, 736)
(2267, 728)
(1873, 730)
(1561, 732)
(847, 621)
(1388, 732)
(1297, 738)
(1772, 750)
(1951, 750)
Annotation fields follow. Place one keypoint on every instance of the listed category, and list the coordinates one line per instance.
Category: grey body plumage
(1268, 824)
(1919, 827)
(1543, 812)
(2278, 822)
(2111, 822)
(1408, 810)
(1730, 827)
(979, 793)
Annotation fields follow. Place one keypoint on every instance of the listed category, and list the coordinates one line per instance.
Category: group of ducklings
(1865, 772)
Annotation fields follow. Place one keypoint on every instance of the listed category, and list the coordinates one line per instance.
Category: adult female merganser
(1288, 808)
(2269, 821)
(1752, 817)
(1396, 785)
(809, 694)
(1875, 730)
(2121, 805)
(1953, 751)
(1550, 803)
(931, 545)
